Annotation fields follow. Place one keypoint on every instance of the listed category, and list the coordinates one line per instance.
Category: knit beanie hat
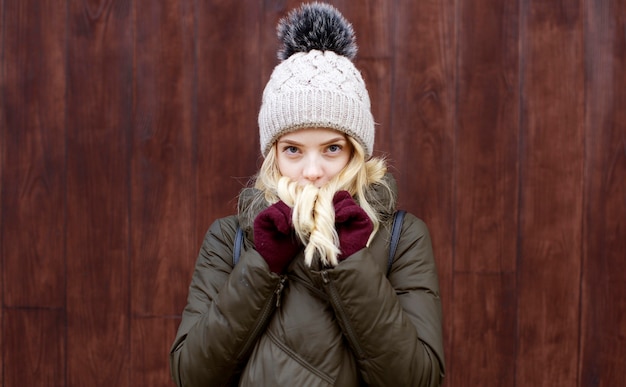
(316, 84)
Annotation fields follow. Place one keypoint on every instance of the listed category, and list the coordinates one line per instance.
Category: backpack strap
(238, 245)
(396, 230)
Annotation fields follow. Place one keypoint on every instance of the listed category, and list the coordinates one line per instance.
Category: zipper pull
(325, 277)
(279, 290)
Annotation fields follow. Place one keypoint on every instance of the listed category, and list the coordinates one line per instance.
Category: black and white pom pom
(316, 26)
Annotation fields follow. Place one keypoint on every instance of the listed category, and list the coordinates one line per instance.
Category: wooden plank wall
(126, 127)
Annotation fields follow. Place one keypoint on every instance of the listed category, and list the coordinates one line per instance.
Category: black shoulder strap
(396, 229)
(238, 245)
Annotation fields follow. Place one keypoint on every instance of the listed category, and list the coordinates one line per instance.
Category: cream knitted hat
(316, 84)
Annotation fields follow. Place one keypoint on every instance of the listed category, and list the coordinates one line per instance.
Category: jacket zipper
(279, 289)
(265, 314)
(336, 301)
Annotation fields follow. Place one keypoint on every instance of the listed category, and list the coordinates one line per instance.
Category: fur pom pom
(316, 26)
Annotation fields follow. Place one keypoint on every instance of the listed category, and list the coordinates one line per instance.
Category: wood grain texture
(486, 176)
(551, 162)
(484, 330)
(377, 74)
(373, 25)
(36, 358)
(423, 114)
(487, 137)
(163, 182)
(3, 137)
(229, 96)
(150, 363)
(163, 155)
(100, 70)
(33, 202)
(603, 331)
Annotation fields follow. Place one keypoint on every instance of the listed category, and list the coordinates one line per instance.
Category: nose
(312, 170)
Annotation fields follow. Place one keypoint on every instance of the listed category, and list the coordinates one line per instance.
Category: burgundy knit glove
(274, 236)
(352, 224)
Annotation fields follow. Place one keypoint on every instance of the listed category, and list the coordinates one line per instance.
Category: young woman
(311, 301)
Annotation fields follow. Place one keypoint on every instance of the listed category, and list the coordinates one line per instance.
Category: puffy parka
(351, 325)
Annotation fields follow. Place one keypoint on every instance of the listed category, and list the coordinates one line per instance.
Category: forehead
(312, 134)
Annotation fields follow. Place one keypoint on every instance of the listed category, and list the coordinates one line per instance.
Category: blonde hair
(313, 210)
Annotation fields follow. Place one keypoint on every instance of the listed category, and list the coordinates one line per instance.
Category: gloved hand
(274, 236)
(352, 224)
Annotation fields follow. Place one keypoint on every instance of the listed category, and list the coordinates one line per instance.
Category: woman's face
(312, 155)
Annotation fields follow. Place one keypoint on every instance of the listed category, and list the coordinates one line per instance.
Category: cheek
(338, 167)
(286, 169)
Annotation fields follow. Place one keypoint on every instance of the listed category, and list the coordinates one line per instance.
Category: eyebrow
(335, 140)
(331, 141)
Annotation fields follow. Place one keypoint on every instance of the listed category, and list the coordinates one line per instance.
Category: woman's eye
(290, 149)
(334, 148)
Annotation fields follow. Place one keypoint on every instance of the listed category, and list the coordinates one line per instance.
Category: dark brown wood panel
(229, 96)
(487, 137)
(150, 363)
(34, 154)
(100, 71)
(33, 347)
(603, 341)
(423, 120)
(163, 182)
(3, 135)
(163, 156)
(486, 176)
(484, 330)
(551, 163)
(377, 76)
(373, 25)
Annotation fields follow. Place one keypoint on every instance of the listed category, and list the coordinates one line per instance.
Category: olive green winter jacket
(351, 325)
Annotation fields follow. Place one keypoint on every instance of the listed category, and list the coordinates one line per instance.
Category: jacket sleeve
(393, 324)
(226, 308)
